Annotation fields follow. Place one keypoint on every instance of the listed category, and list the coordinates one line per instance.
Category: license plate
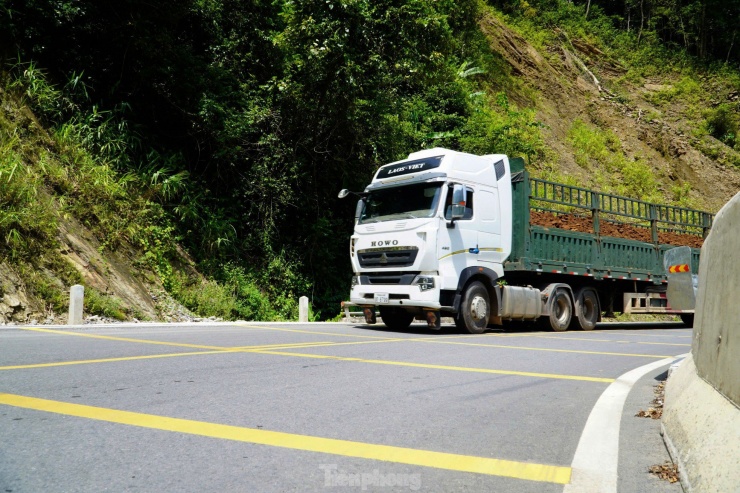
(381, 297)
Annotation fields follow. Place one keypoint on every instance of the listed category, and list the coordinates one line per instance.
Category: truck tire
(475, 309)
(396, 318)
(687, 319)
(561, 311)
(587, 310)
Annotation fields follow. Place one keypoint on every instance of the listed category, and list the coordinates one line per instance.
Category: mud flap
(370, 317)
(434, 320)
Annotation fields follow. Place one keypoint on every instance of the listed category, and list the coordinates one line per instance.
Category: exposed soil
(571, 80)
(572, 222)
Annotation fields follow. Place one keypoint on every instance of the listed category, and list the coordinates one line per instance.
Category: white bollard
(76, 302)
(303, 309)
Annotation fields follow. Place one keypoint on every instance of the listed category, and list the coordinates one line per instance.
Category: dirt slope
(568, 89)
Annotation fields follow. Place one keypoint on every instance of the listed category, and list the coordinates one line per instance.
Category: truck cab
(425, 228)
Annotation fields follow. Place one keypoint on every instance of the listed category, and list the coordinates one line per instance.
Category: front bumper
(397, 295)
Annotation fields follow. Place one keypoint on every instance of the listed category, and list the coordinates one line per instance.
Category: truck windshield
(409, 202)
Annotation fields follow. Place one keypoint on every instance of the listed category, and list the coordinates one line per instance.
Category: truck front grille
(388, 257)
(397, 278)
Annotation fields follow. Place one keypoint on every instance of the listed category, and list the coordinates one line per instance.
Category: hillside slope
(570, 84)
(48, 249)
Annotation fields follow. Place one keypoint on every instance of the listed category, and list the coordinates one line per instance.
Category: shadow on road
(519, 327)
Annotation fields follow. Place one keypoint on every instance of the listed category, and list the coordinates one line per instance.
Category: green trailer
(587, 255)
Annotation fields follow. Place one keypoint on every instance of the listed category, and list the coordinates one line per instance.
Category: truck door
(458, 245)
(490, 242)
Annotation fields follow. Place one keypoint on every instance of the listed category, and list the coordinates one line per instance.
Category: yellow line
(218, 348)
(324, 344)
(282, 329)
(439, 367)
(124, 339)
(105, 360)
(651, 335)
(245, 349)
(387, 453)
(613, 340)
(453, 253)
(280, 346)
(578, 351)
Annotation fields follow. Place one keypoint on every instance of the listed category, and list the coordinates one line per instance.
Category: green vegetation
(97, 303)
(667, 39)
(226, 128)
(601, 152)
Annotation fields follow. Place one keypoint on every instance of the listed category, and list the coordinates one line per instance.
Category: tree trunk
(732, 43)
(642, 22)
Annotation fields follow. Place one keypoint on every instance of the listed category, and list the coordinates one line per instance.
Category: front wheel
(475, 309)
(396, 318)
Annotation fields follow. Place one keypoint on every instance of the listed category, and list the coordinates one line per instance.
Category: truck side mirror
(459, 195)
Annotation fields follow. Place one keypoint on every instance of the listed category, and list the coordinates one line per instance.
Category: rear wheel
(475, 309)
(561, 311)
(396, 318)
(687, 319)
(587, 310)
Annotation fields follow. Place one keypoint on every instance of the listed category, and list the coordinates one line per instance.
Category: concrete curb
(701, 429)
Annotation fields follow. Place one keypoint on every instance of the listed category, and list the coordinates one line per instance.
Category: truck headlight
(355, 281)
(425, 283)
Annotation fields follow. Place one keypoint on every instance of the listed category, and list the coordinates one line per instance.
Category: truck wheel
(396, 318)
(475, 309)
(687, 319)
(561, 311)
(587, 310)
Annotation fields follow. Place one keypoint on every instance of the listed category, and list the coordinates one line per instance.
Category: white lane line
(596, 459)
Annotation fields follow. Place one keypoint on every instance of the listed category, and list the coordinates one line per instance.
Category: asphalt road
(258, 407)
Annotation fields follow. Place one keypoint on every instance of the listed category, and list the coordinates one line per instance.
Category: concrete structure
(701, 417)
(303, 309)
(76, 303)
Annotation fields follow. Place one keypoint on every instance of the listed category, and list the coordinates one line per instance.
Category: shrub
(722, 124)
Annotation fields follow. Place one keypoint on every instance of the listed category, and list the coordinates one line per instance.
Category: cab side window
(468, 205)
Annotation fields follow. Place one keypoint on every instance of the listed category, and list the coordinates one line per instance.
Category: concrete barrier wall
(716, 345)
(701, 415)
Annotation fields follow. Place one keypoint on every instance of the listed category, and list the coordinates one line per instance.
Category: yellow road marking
(245, 349)
(613, 340)
(278, 346)
(105, 360)
(346, 448)
(438, 367)
(567, 337)
(578, 351)
(651, 335)
(123, 339)
(272, 349)
(283, 329)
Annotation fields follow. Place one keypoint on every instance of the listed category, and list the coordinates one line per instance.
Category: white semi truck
(445, 233)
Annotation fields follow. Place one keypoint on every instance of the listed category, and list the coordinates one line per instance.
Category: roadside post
(303, 309)
(76, 302)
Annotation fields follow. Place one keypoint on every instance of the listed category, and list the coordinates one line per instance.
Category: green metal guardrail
(616, 209)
